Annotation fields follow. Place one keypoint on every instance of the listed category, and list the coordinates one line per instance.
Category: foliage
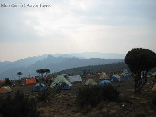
(140, 115)
(43, 95)
(139, 59)
(42, 71)
(19, 106)
(154, 101)
(7, 82)
(19, 74)
(94, 95)
(47, 71)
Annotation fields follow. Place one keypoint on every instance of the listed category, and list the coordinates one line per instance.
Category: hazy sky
(75, 26)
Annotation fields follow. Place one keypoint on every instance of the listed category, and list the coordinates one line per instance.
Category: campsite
(61, 95)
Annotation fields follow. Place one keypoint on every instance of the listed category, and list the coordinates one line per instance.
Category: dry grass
(64, 103)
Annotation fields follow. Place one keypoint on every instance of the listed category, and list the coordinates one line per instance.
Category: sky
(75, 26)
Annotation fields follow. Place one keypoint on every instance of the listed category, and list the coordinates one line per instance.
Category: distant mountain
(55, 63)
(88, 55)
(4, 66)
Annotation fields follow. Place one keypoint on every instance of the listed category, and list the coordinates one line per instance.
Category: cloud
(77, 26)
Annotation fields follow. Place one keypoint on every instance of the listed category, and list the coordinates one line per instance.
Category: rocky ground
(63, 104)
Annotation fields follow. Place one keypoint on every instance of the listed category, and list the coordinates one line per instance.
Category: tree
(139, 60)
(41, 71)
(47, 71)
(19, 74)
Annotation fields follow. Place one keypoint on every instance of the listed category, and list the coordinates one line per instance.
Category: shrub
(7, 82)
(154, 101)
(87, 109)
(19, 106)
(94, 95)
(43, 95)
(140, 115)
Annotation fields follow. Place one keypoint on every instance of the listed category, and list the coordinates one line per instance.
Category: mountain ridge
(29, 65)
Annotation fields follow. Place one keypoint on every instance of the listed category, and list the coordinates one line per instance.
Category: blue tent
(116, 78)
(38, 88)
(63, 85)
(149, 73)
(93, 73)
(127, 76)
(105, 83)
(125, 71)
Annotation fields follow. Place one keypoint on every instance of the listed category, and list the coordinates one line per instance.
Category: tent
(75, 78)
(37, 87)
(2, 81)
(104, 83)
(63, 85)
(30, 81)
(90, 82)
(127, 76)
(65, 75)
(125, 71)
(103, 76)
(8, 89)
(116, 78)
(3, 90)
(154, 87)
(123, 74)
(60, 79)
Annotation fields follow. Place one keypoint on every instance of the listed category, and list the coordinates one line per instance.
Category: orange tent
(3, 90)
(30, 81)
(2, 81)
(8, 89)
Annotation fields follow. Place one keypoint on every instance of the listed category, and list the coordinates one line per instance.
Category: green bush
(19, 106)
(94, 95)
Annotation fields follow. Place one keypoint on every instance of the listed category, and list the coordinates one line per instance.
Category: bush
(94, 95)
(19, 106)
(7, 82)
(43, 95)
(154, 101)
(140, 115)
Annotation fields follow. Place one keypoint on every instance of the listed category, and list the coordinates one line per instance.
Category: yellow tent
(7, 88)
(103, 75)
(90, 82)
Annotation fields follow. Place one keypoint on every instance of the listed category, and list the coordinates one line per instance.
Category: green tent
(90, 82)
(58, 80)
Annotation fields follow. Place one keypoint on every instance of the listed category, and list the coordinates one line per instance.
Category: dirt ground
(63, 104)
